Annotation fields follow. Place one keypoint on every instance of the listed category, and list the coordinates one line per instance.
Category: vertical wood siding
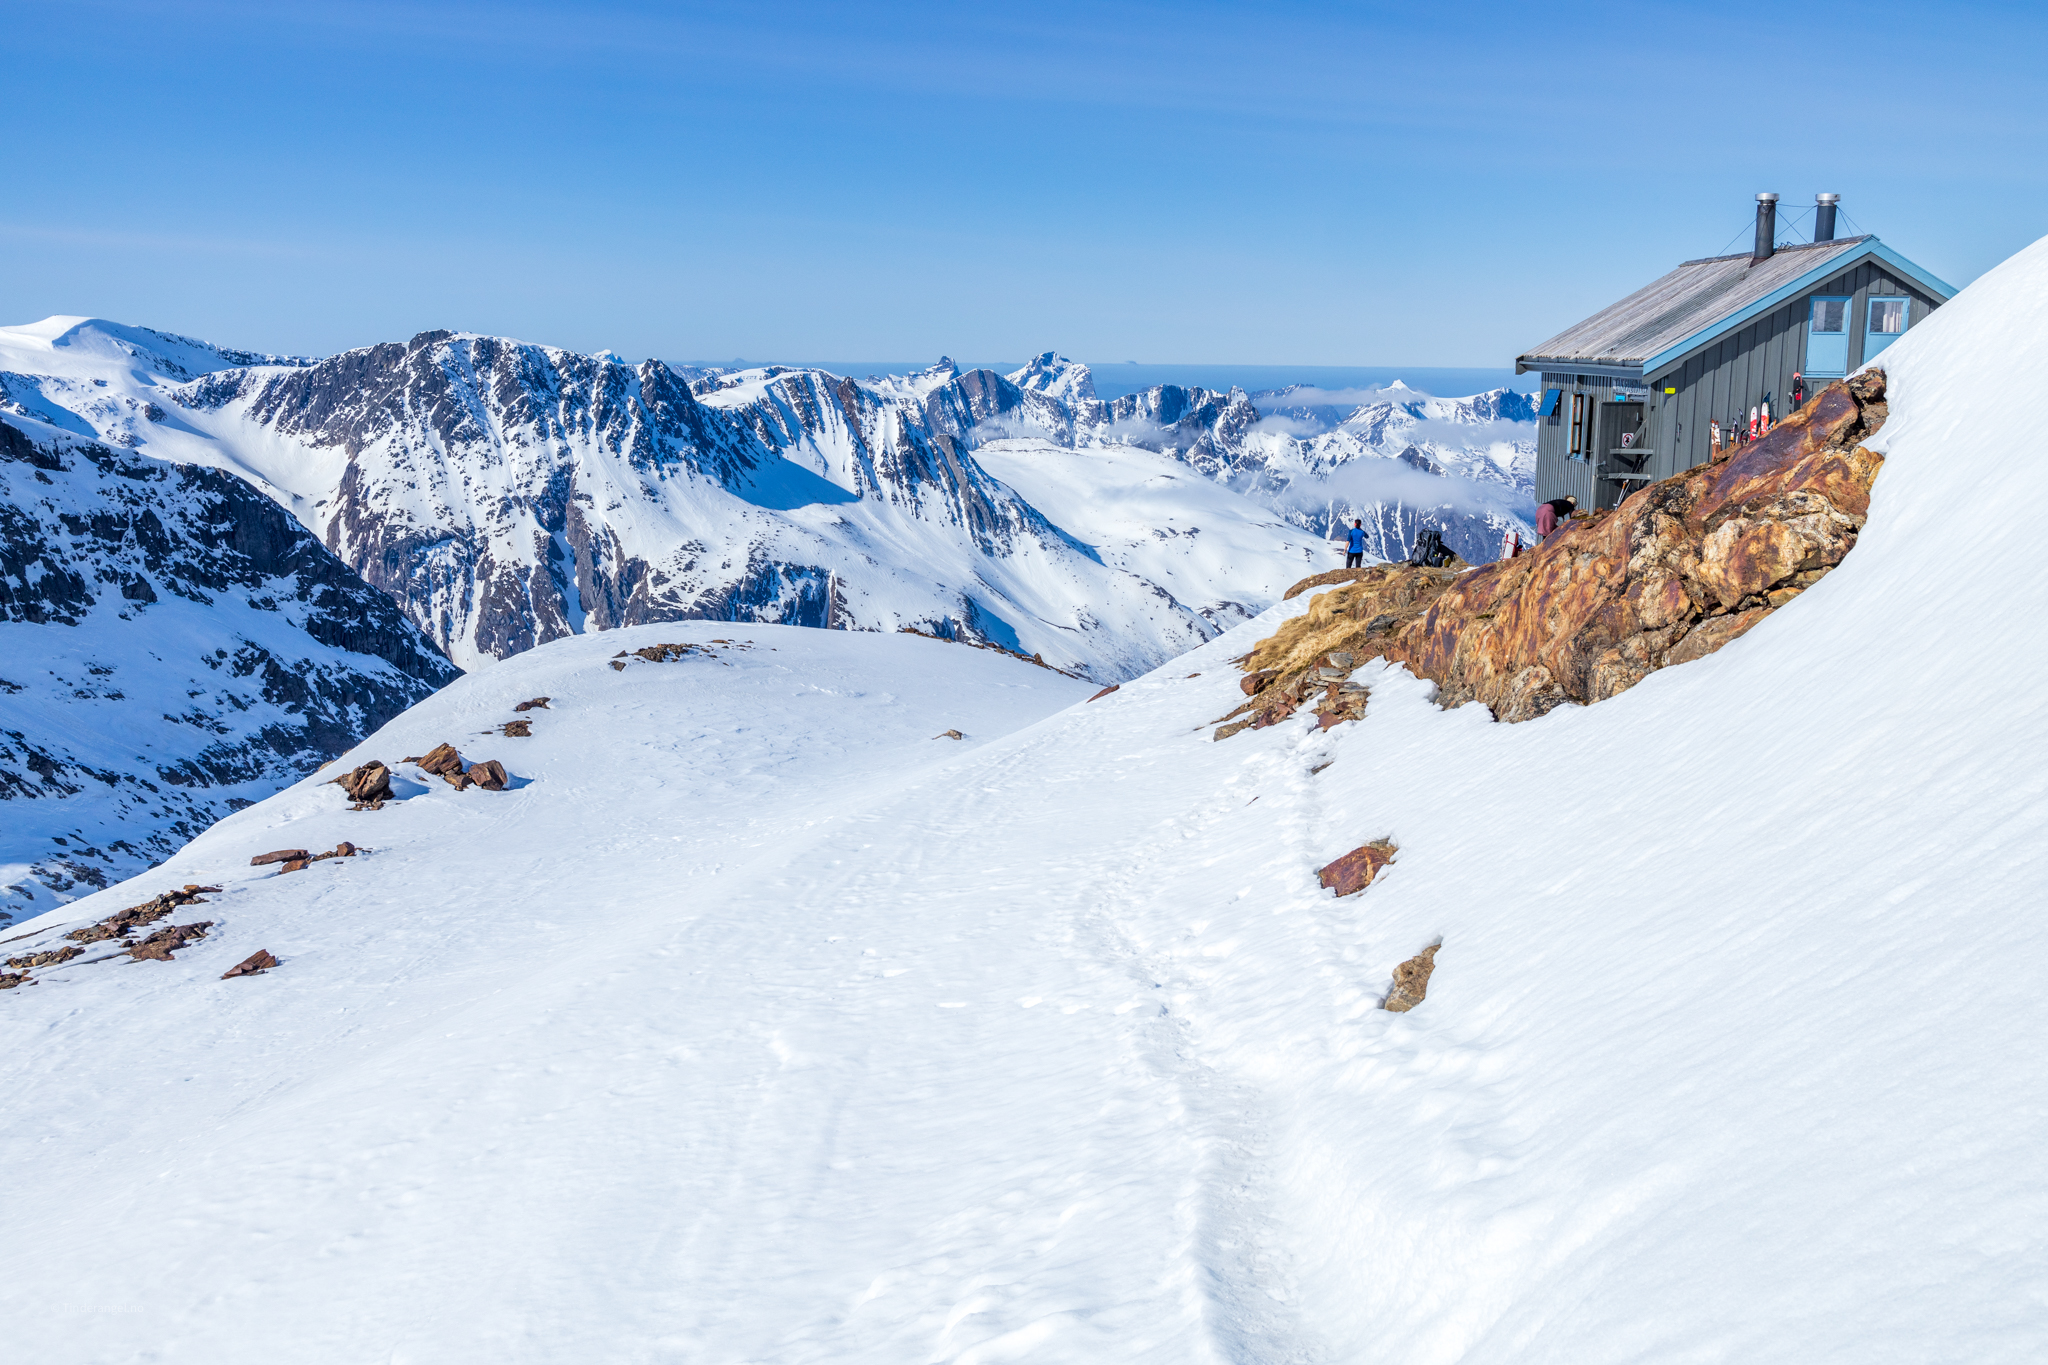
(1559, 474)
(1736, 373)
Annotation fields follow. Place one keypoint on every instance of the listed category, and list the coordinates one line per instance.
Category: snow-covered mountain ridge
(173, 646)
(505, 494)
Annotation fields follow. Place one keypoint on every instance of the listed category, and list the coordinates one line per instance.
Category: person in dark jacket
(1354, 546)
(1550, 515)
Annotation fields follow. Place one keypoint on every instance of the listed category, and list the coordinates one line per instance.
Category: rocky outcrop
(282, 855)
(123, 923)
(159, 946)
(367, 785)
(255, 964)
(344, 849)
(1411, 981)
(55, 957)
(444, 762)
(1356, 870)
(1677, 571)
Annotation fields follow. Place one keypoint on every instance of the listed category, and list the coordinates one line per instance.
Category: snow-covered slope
(506, 494)
(173, 646)
(755, 1024)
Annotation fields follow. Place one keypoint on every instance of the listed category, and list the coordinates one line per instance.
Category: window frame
(1869, 335)
(1813, 302)
(1577, 449)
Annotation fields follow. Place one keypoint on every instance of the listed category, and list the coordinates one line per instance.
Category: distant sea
(1114, 379)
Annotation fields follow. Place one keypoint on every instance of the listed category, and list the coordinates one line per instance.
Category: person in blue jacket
(1354, 547)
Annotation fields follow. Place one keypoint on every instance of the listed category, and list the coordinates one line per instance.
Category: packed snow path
(752, 983)
(757, 1025)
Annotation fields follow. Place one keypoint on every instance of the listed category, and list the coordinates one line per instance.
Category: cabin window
(1549, 407)
(1827, 337)
(1887, 322)
(1578, 446)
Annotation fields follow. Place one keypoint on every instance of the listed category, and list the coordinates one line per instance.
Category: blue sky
(1427, 184)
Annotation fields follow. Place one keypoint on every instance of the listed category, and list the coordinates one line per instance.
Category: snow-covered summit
(1056, 376)
(90, 348)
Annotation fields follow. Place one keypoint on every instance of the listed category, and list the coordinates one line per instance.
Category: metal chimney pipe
(1824, 216)
(1766, 227)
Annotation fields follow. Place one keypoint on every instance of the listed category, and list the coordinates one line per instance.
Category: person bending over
(1550, 515)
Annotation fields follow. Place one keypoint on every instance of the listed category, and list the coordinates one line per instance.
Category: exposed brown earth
(1680, 569)
(537, 704)
(1411, 981)
(1105, 691)
(518, 729)
(1355, 871)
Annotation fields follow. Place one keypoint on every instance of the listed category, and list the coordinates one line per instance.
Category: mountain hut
(1631, 394)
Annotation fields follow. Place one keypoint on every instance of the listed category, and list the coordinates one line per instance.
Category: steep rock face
(505, 494)
(173, 645)
(1678, 570)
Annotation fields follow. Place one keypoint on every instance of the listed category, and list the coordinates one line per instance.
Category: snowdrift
(753, 1023)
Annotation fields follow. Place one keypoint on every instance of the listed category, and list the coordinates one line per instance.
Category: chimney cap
(1767, 197)
(1827, 199)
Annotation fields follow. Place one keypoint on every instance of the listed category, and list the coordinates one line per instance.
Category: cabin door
(1624, 453)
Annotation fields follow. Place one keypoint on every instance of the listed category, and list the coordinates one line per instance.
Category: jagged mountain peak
(1054, 375)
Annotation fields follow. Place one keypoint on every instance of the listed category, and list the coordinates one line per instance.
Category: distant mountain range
(497, 494)
(504, 493)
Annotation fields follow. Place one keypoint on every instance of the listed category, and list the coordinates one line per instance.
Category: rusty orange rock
(1353, 872)
(1680, 569)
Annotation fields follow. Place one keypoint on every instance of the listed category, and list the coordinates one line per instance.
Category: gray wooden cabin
(1629, 395)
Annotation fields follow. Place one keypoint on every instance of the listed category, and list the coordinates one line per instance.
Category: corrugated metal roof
(1683, 303)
